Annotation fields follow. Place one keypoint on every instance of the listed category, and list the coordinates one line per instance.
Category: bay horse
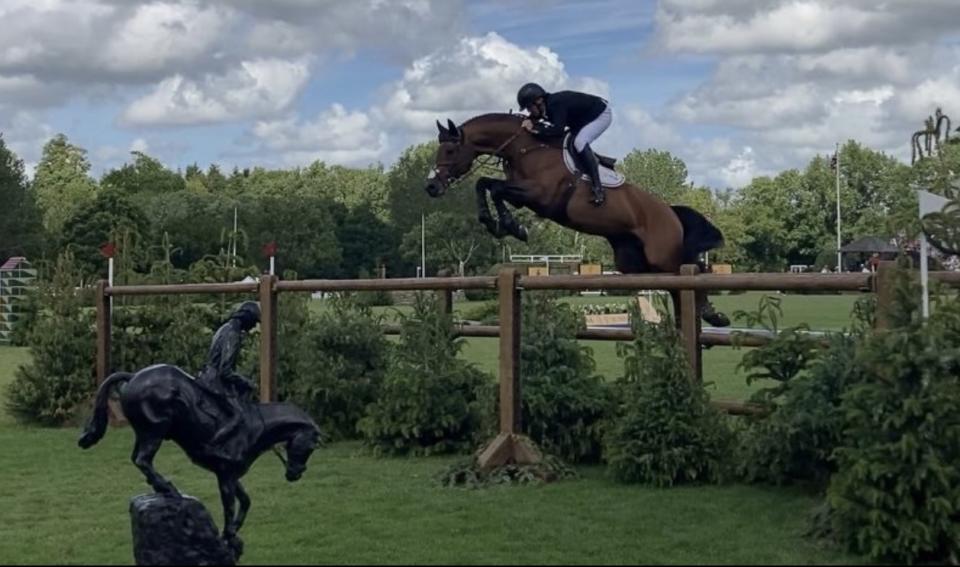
(646, 234)
(164, 402)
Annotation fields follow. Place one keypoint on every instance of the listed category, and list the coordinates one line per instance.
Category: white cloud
(478, 75)
(743, 26)
(740, 170)
(793, 77)
(25, 133)
(162, 35)
(335, 135)
(255, 89)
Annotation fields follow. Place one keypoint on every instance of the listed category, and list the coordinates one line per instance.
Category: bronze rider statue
(219, 376)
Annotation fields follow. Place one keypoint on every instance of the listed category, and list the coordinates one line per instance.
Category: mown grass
(59, 504)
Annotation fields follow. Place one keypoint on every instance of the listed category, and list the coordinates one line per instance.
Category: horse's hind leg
(144, 450)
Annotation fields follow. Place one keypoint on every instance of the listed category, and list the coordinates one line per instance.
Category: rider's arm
(557, 128)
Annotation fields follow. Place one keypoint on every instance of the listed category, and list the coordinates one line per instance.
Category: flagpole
(924, 275)
(839, 253)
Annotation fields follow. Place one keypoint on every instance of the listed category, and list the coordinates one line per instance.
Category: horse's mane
(493, 117)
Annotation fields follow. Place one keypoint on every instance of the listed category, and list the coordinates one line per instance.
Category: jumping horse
(647, 235)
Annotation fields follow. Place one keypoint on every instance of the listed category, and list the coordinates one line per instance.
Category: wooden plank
(181, 289)
(704, 282)
(396, 284)
(510, 391)
(268, 339)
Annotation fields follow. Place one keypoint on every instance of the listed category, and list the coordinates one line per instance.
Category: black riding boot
(589, 160)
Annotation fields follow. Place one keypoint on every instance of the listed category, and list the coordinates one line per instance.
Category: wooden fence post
(883, 283)
(510, 446)
(445, 296)
(690, 325)
(103, 332)
(268, 338)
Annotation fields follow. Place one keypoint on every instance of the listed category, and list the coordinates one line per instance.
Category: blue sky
(736, 88)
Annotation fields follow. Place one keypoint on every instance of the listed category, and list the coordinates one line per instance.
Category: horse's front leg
(483, 208)
(244, 500)
(501, 194)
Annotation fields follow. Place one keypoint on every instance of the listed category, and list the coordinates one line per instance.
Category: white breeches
(593, 130)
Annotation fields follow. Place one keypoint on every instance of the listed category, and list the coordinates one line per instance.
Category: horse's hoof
(716, 319)
(235, 544)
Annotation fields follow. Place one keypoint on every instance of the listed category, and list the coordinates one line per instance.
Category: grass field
(59, 504)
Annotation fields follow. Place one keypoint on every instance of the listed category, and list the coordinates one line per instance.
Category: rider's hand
(527, 125)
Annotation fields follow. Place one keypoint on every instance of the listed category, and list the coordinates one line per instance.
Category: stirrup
(598, 196)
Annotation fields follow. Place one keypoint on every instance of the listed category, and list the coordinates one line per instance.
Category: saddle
(609, 177)
(566, 143)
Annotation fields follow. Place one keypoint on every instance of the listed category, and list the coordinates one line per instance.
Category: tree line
(331, 221)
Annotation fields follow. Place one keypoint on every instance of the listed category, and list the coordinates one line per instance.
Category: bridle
(490, 160)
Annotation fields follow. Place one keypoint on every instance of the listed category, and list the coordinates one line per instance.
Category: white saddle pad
(608, 177)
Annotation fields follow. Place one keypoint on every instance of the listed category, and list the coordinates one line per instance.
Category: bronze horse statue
(646, 234)
(164, 402)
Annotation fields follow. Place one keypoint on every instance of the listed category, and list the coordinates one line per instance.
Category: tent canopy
(870, 244)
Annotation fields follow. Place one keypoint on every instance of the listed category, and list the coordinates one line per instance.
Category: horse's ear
(454, 131)
(443, 131)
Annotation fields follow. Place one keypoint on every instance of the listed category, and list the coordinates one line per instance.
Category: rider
(219, 376)
(585, 115)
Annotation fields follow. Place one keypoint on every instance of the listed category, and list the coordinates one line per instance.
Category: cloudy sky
(736, 88)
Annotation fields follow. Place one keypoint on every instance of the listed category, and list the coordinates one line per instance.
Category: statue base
(172, 530)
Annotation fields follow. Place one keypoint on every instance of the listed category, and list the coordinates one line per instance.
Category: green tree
(656, 171)
(305, 230)
(366, 241)
(194, 221)
(406, 195)
(110, 217)
(62, 183)
(453, 241)
(144, 175)
(21, 231)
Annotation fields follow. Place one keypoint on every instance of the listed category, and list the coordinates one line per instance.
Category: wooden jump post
(268, 338)
(510, 445)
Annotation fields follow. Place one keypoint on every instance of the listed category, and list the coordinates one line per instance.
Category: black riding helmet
(529, 93)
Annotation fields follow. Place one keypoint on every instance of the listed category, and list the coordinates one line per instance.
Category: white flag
(930, 203)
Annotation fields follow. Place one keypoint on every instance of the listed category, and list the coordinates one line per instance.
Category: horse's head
(299, 448)
(454, 158)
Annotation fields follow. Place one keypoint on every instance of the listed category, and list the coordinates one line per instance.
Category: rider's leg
(233, 421)
(589, 160)
(581, 143)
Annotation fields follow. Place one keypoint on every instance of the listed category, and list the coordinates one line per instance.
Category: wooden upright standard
(690, 325)
(268, 339)
(510, 446)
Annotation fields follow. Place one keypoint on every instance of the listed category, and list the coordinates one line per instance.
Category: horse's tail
(699, 234)
(97, 426)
